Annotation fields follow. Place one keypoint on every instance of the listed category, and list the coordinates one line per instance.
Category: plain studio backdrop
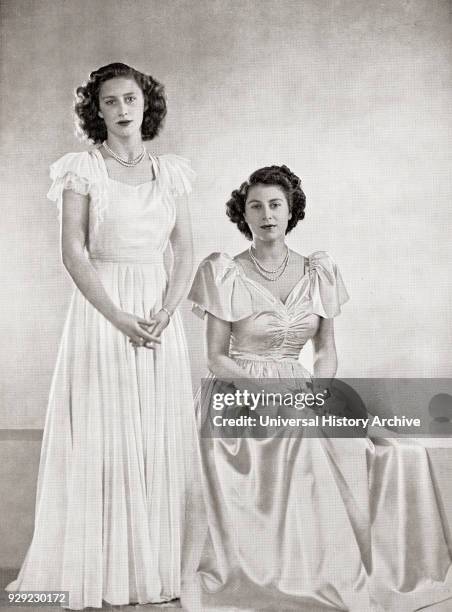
(354, 96)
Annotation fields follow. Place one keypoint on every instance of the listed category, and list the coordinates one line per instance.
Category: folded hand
(154, 327)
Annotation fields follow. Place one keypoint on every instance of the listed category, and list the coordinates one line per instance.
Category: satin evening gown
(307, 523)
(114, 471)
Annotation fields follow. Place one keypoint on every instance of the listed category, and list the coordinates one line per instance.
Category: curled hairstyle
(280, 176)
(88, 123)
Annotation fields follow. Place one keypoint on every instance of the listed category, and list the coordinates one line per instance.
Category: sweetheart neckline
(263, 289)
(130, 184)
(105, 170)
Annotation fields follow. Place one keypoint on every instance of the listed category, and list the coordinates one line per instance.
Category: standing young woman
(113, 476)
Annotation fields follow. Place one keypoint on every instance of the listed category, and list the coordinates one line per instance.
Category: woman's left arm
(178, 285)
(325, 356)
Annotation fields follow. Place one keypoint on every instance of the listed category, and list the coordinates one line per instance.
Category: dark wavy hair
(282, 177)
(88, 123)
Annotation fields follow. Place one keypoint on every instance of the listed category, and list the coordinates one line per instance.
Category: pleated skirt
(116, 455)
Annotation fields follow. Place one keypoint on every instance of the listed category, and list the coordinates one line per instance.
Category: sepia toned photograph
(226, 382)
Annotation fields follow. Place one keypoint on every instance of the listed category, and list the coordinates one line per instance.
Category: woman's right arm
(218, 334)
(74, 231)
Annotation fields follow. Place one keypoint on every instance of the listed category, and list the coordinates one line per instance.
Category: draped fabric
(115, 463)
(307, 523)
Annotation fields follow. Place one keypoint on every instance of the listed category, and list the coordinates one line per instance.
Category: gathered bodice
(262, 326)
(276, 330)
(126, 222)
(137, 223)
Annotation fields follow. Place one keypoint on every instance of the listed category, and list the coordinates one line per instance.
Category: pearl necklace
(271, 275)
(124, 162)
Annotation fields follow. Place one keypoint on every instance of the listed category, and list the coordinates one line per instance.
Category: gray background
(353, 95)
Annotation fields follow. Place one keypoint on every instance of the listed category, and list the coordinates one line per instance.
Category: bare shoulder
(297, 262)
(242, 257)
(297, 258)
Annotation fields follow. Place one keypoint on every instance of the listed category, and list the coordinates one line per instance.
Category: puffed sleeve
(72, 171)
(177, 174)
(219, 288)
(79, 172)
(328, 291)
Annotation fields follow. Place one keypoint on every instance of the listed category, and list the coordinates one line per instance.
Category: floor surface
(8, 575)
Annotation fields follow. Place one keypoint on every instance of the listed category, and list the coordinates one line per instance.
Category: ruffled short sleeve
(328, 291)
(176, 173)
(79, 172)
(219, 288)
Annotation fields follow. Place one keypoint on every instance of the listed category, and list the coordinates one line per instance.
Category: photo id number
(38, 597)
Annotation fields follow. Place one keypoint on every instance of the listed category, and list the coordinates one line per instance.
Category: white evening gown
(307, 523)
(115, 461)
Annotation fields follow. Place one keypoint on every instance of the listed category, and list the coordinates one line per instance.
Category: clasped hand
(143, 332)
